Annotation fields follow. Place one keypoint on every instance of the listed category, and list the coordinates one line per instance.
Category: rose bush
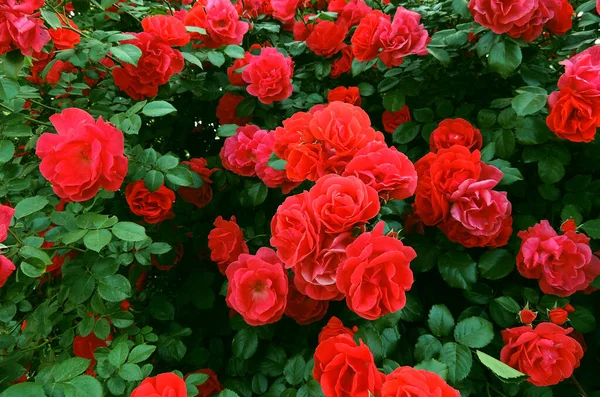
(332, 198)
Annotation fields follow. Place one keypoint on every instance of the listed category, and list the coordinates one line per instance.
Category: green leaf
(475, 332)
(505, 57)
(28, 389)
(406, 132)
(245, 343)
(440, 54)
(70, 368)
(458, 359)
(496, 264)
(366, 89)
(141, 353)
(501, 370)
(166, 162)
(118, 355)
(127, 53)
(434, 366)
(234, 51)
(7, 150)
(30, 205)
(427, 347)
(505, 143)
(260, 383)
(131, 372)
(13, 63)
(440, 321)
(457, 269)
(153, 180)
(114, 288)
(532, 131)
(180, 176)
(551, 170)
(158, 109)
(129, 231)
(394, 100)
(592, 228)
(102, 328)
(529, 103)
(246, 107)
(216, 58)
(227, 130)
(294, 370)
(255, 191)
(276, 163)
(582, 320)
(97, 239)
(228, 393)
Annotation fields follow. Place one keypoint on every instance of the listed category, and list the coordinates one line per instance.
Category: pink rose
(221, 21)
(6, 214)
(582, 72)
(270, 176)
(269, 76)
(237, 154)
(404, 36)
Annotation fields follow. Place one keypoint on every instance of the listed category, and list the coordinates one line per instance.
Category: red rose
(302, 308)
(351, 12)
(56, 71)
(582, 73)
(326, 38)
(64, 38)
(404, 36)
(6, 214)
(227, 107)
(303, 28)
(293, 230)
(221, 21)
(170, 29)
(527, 316)
(237, 153)
(411, 382)
(295, 130)
(480, 217)
(359, 277)
(315, 276)
(302, 162)
(451, 167)
(155, 67)
(270, 176)
(39, 62)
(518, 18)
(154, 206)
(85, 346)
(365, 40)
(285, 10)
(339, 203)
(385, 169)
(562, 21)
(125, 305)
(563, 264)
(345, 369)
(201, 196)
(234, 72)
(258, 287)
(269, 76)
(211, 386)
(342, 64)
(84, 156)
(546, 353)
(106, 65)
(392, 120)
(558, 316)
(335, 327)
(6, 269)
(226, 242)
(19, 29)
(162, 385)
(343, 128)
(452, 132)
(573, 116)
(349, 95)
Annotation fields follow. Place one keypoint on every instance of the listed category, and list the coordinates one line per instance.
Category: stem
(578, 386)
(257, 236)
(64, 247)
(497, 391)
(15, 236)
(26, 118)
(43, 105)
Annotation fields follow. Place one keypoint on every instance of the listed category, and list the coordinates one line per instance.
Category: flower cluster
(575, 107)
(455, 189)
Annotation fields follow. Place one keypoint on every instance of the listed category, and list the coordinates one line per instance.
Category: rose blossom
(562, 21)
(221, 21)
(376, 274)
(527, 316)
(335, 327)
(582, 72)
(64, 38)
(238, 152)
(404, 36)
(270, 176)
(6, 214)
(154, 206)
(19, 29)
(409, 382)
(234, 72)
(162, 385)
(455, 132)
(326, 38)
(563, 264)
(546, 353)
(6, 269)
(573, 116)
(201, 196)
(350, 13)
(558, 315)
(226, 242)
(83, 156)
(349, 95)
(211, 386)
(342, 64)
(284, 10)
(226, 110)
(258, 287)
(170, 29)
(366, 38)
(269, 76)
(392, 120)
(385, 169)
(85, 346)
(345, 369)
(302, 308)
